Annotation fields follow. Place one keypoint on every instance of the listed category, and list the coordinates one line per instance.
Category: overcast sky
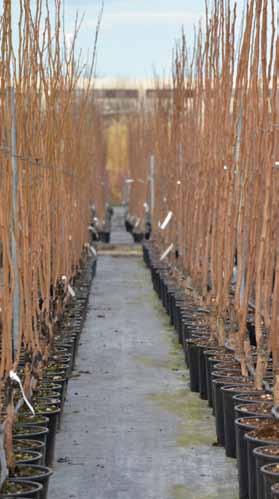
(137, 36)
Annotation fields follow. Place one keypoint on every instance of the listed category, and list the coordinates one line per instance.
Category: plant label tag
(71, 291)
(146, 207)
(14, 377)
(165, 254)
(93, 251)
(167, 220)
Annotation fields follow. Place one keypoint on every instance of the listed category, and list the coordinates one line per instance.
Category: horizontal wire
(36, 162)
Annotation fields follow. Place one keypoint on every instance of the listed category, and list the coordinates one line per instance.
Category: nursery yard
(131, 426)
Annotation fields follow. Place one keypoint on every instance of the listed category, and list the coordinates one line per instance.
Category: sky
(137, 36)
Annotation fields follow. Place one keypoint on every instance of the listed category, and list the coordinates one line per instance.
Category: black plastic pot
(225, 373)
(32, 445)
(193, 357)
(242, 426)
(202, 372)
(253, 443)
(41, 474)
(253, 397)
(262, 458)
(270, 474)
(31, 433)
(31, 490)
(228, 393)
(27, 419)
(275, 491)
(138, 237)
(52, 413)
(104, 236)
(210, 363)
(255, 409)
(61, 380)
(217, 384)
(33, 457)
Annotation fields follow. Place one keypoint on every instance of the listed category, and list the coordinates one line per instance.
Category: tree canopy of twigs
(216, 150)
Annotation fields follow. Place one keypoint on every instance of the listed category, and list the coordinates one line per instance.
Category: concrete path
(131, 428)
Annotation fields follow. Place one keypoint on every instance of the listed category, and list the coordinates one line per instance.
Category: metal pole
(151, 180)
(16, 299)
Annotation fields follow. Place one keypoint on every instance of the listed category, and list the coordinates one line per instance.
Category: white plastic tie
(14, 377)
(71, 291)
(165, 254)
(93, 251)
(146, 207)
(167, 220)
(137, 222)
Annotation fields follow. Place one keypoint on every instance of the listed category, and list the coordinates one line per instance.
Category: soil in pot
(224, 366)
(40, 474)
(255, 409)
(242, 425)
(27, 457)
(27, 419)
(30, 432)
(32, 445)
(19, 488)
(255, 396)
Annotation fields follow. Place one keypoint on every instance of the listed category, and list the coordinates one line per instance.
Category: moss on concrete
(173, 364)
(193, 428)
(183, 492)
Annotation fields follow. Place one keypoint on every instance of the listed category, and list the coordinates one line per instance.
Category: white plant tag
(71, 291)
(93, 251)
(167, 220)
(168, 250)
(14, 377)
